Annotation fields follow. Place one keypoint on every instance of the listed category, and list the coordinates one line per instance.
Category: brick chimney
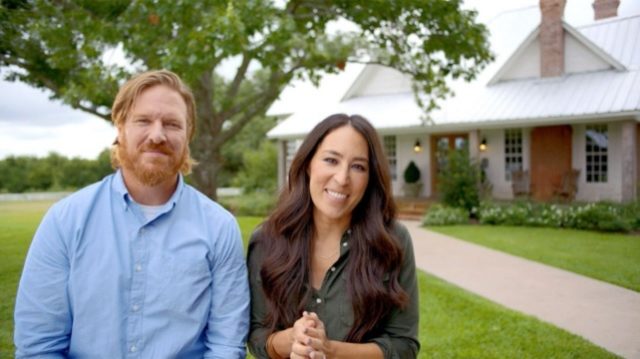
(551, 38)
(605, 8)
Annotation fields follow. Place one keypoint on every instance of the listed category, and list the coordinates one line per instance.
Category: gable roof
(609, 91)
(530, 43)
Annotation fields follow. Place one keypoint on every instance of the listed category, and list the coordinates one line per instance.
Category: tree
(259, 169)
(249, 139)
(62, 46)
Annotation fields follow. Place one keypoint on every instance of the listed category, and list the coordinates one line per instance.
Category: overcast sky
(32, 124)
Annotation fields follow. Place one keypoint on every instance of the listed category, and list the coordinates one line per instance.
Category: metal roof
(526, 102)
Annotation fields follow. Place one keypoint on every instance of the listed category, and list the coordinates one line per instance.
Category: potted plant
(412, 185)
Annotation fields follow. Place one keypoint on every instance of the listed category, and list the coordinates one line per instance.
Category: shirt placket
(320, 297)
(138, 280)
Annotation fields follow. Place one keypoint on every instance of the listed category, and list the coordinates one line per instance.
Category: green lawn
(454, 323)
(612, 258)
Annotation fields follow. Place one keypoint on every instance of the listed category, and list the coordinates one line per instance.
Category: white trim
(516, 54)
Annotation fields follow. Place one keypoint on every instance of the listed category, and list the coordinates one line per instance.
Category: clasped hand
(309, 338)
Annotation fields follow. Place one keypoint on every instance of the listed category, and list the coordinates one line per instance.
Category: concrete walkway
(604, 314)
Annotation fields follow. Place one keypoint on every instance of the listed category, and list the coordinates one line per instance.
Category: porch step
(412, 208)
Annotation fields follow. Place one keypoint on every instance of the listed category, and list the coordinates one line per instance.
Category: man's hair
(131, 90)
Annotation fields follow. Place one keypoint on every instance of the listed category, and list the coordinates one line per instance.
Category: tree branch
(234, 87)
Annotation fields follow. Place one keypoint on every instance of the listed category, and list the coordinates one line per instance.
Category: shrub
(258, 203)
(411, 173)
(458, 182)
(259, 170)
(439, 215)
(602, 216)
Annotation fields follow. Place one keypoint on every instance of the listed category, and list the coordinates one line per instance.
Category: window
(512, 152)
(390, 151)
(596, 152)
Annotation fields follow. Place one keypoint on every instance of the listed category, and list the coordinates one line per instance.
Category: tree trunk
(205, 174)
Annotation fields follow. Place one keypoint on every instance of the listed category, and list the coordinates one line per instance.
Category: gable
(378, 80)
(580, 55)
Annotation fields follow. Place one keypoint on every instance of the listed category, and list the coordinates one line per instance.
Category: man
(139, 264)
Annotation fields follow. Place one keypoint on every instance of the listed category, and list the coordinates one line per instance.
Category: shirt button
(133, 349)
(318, 300)
(344, 244)
(333, 269)
(135, 307)
(138, 267)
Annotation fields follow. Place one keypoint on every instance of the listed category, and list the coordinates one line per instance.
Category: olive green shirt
(399, 338)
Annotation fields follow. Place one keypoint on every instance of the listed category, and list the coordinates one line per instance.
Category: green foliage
(54, 172)
(250, 204)
(67, 48)
(233, 152)
(459, 182)
(439, 215)
(601, 216)
(411, 173)
(259, 169)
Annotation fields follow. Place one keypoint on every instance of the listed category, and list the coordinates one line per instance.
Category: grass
(18, 223)
(612, 258)
(454, 323)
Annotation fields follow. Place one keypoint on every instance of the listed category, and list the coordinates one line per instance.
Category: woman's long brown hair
(374, 251)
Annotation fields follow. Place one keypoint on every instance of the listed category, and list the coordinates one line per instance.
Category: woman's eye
(331, 160)
(360, 168)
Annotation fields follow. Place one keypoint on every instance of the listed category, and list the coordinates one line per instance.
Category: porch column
(474, 143)
(629, 149)
(282, 163)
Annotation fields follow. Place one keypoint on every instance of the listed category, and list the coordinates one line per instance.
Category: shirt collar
(123, 193)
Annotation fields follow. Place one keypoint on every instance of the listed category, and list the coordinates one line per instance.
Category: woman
(331, 272)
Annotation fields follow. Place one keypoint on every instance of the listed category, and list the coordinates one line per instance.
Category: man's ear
(119, 131)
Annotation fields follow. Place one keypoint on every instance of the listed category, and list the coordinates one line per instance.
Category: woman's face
(339, 174)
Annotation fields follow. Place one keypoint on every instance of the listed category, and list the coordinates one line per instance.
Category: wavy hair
(374, 251)
(127, 96)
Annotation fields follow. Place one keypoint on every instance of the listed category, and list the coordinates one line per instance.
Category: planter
(412, 189)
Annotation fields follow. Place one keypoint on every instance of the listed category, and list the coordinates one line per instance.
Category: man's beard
(152, 171)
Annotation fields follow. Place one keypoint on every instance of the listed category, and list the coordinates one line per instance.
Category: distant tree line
(249, 161)
(52, 173)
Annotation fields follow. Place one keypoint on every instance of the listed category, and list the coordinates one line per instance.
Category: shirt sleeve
(400, 335)
(228, 322)
(258, 332)
(42, 313)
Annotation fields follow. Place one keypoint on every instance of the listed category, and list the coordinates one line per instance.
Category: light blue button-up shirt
(102, 281)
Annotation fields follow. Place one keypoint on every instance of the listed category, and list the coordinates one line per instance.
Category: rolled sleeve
(228, 322)
(42, 314)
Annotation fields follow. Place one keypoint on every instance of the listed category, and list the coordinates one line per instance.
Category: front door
(550, 159)
(441, 145)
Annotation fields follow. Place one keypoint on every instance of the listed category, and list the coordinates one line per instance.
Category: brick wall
(551, 38)
(603, 9)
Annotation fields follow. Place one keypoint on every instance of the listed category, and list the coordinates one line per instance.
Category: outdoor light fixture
(483, 144)
(417, 147)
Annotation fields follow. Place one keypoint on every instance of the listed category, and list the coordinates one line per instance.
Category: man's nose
(156, 132)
